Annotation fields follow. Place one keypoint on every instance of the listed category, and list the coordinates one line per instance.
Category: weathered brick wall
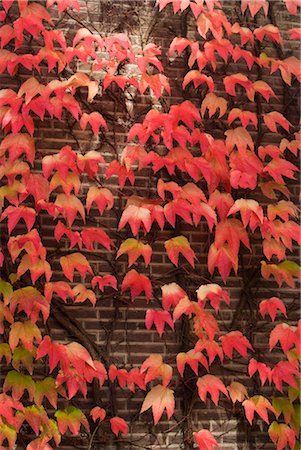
(116, 326)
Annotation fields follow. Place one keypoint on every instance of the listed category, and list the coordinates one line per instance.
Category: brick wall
(115, 325)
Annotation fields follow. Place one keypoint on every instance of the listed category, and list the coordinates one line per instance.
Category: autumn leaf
(212, 348)
(177, 245)
(17, 383)
(159, 398)
(282, 435)
(237, 392)
(106, 280)
(258, 404)
(212, 385)
(154, 367)
(198, 78)
(46, 388)
(97, 413)
(283, 272)
(270, 119)
(192, 358)
(81, 294)
(205, 440)
(103, 198)
(14, 214)
(213, 103)
(158, 318)
(137, 283)
(136, 216)
(214, 293)
(172, 293)
(61, 288)
(134, 249)
(285, 372)
(271, 306)
(119, 425)
(95, 119)
(75, 261)
(89, 235)
(264, 371)
(255, 6)
(285, 334)
(16, 145)
(25, 332)
(71, 418)
(235, 340)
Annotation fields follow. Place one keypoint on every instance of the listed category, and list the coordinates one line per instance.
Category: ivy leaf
(97, 413)
(119, 425)
(263, 370)
(134, 249)
(71, 418)
(159, 318)
(172, 293)
(213, 103)
(192, 358)
(177, 245)
(205, 440)
(270, 306)
(89, 235)
(282, 435)
(213, 385)
(106, 280)
(75, 261)
(237, 392)
(103, 198)
(285, 334)
(154, 367)
(17, 383)
(283, 272)
(137, 283)
(15, 213)
(46, 388)
(159, 398)
(258, 404)
(235, 340)
(24, 332)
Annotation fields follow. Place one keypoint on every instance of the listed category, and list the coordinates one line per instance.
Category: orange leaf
(213, 385)
(75, 261)
(258, 404)
(159, 398)
(178, 245)
(134, 249)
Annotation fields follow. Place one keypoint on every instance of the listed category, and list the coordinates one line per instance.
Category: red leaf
(89, 235)
(271, 306)
(137, 283)
(171, 295)
(158, 318)
(205, 440)
(95, 119)
(106, 280)
(213, 385)
(14, 214)
(235, 340)
(97, 413)
(263, 370)
(119, 425)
